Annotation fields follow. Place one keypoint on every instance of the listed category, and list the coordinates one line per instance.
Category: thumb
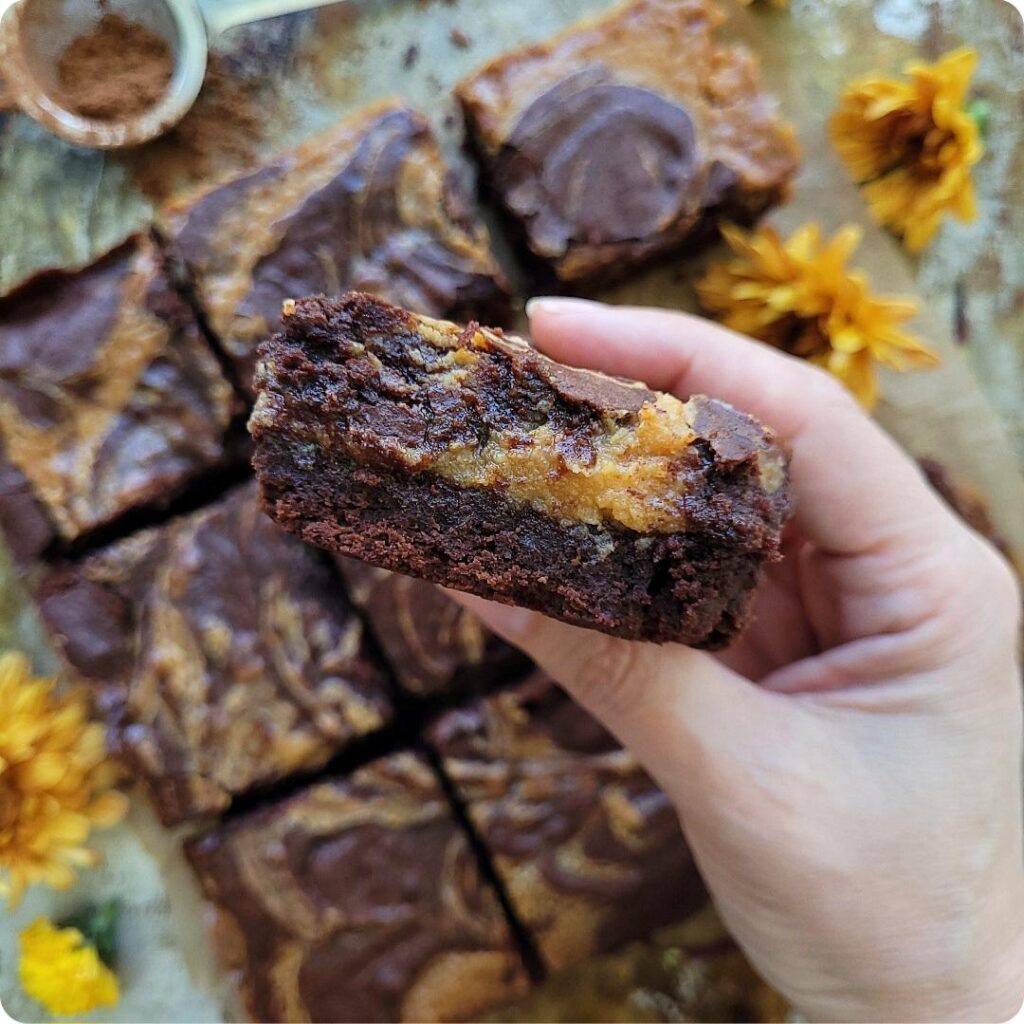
(678, 710)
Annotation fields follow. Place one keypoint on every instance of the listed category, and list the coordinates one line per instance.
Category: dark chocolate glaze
(222, 654)
(598, 162)
(364, 886)
(433, 645)
(342, 392)
(536, 773)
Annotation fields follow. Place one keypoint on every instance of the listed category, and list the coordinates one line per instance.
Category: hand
(848, 774)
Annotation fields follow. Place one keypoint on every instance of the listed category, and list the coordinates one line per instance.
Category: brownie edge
(462, 456)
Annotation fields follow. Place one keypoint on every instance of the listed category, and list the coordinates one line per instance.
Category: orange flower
(912, 145)
(55, 781)
(798, 295)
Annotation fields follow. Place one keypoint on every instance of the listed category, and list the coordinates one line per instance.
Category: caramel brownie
(109, 397)
(969, 504)
(358, 900)
(462, 456)
(222, 653)
(433, 645)
(587, 846)
(627, 136)
(367, 205)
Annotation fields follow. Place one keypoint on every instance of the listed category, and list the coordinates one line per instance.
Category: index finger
(855, 489)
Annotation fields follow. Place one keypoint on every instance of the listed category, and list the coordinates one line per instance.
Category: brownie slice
(969, 504)
(369, 205)
(24, 523)
(222, 654)
(109, 397)
(433, 645)
(358, 900)
(627, 136)
(464, 457)
(587, 846)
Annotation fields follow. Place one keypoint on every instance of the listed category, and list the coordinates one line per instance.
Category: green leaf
(98, 925)
(981, 112)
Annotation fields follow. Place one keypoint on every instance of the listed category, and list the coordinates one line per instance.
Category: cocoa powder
(116, 71)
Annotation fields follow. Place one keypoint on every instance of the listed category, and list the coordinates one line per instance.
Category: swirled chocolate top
(624, 135)
(358, 900)
(369, 204)
(221, 651)
(588, 847)
(109, 397)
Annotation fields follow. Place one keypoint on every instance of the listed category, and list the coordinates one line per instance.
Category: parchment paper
(60, 204)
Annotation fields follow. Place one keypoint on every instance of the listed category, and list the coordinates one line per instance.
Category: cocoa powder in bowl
(116, 71)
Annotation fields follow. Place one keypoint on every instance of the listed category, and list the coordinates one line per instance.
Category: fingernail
(556, 305)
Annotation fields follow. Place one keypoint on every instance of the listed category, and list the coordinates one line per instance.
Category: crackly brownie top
(432, 643)
(358, 900)
(222, 652)
(626, 124)
(485, 410)
(366, 205)
(109, 398)
(590, 848)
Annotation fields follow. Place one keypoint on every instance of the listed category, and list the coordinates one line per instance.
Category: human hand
(857, 813)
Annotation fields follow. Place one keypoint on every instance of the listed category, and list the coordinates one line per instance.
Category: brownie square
(222, 653)
(626, 136)
(369, 204)
(462, 456)
(586, 845)
(358, 900)
(433, 645)
(110, 399)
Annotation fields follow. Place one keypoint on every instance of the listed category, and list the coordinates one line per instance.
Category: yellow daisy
(62, 971)
(912, 145)
(799, 295)
(55, 780)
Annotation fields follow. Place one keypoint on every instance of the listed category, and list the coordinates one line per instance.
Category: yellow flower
(62, 971)
(55, 781)
(912, 145)
(798, 295)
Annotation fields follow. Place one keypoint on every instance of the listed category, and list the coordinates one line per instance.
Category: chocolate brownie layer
(433, 645)
(109, 397)
(626, 136)
(369, 204)
(587, 846)
(221, 652)
(358, 900)
(464, 457)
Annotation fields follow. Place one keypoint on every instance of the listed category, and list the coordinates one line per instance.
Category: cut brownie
(367, 205)
(587, 846)
(109, 397)
(434, 646)
(222, 654)
(627, 136)
(358, 900)
(464, 457)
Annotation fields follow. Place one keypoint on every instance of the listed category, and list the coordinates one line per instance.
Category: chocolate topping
(110, 399)
(596, 161)
(222, 652)
(588, 847)
(359, 900)
(365, 206)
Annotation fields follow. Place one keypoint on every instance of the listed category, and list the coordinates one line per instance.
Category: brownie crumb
(117, 70)
(459, 38)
